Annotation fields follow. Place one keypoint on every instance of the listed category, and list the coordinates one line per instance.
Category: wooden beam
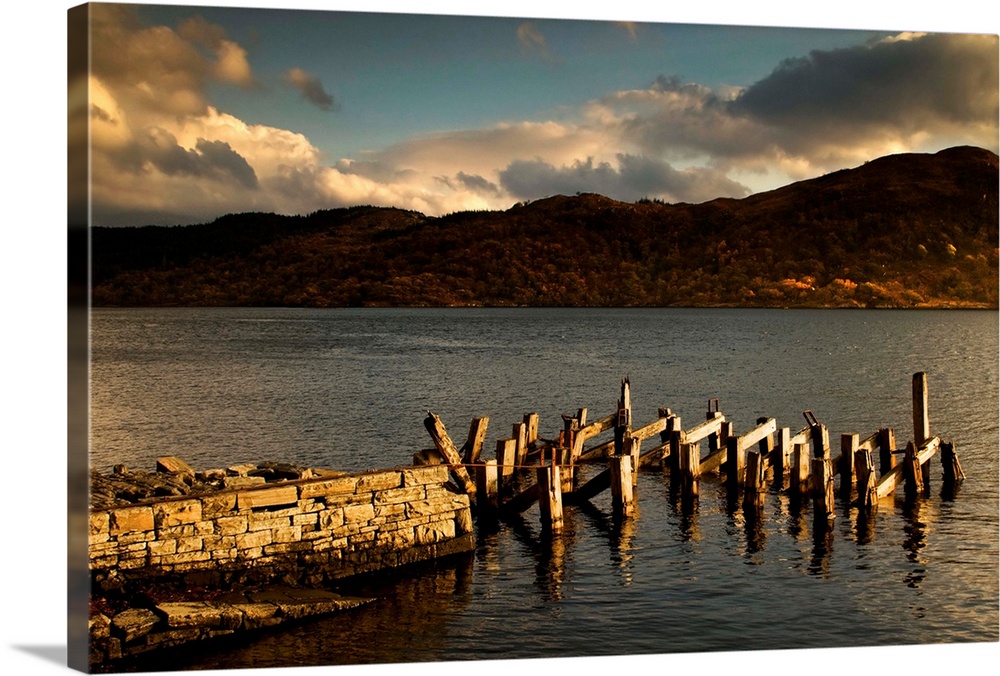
(446, 447)
(887, 482)
(652, 429)
(595, 486)
(522, 501)
(598, 426)
(705, 429)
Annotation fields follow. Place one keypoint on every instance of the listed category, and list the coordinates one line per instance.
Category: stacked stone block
(306, 531)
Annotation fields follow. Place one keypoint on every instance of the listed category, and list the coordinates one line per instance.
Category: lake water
(349, 389)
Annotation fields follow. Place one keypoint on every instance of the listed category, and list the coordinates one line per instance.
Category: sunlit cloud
(162, 152)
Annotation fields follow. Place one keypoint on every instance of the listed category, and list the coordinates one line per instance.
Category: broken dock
(528, 468)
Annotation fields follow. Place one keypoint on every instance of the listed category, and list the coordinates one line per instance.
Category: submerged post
(822, 485)
(848, 447)
(950, 464)
(689, 467)
(622, 496)
(912, 474)
(487, 485)
(865, 469)
(550, 497)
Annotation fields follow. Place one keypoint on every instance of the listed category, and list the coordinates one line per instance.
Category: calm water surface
(349, 389)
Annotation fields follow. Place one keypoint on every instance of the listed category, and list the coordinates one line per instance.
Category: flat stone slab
(134, 623)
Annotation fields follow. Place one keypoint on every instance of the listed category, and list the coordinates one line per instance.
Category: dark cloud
(634, 178)
(477, 184)
(310, 88)
(909, 84)
(208, 159)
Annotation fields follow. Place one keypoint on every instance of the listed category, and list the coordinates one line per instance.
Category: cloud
(310, 88)
(632, 179)
(163, 153)
(532, 39)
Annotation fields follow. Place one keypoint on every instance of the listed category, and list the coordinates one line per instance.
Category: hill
(908, 230)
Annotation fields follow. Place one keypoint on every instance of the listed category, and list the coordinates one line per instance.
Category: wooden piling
(921, 421)
(519, 433)
(735, 462)
(822, 487)
(633, 446)
(531, 425)
(622, 496)
(783, 441)
(800, 466)
(886, 450)
(913, 482)
(689, 467)
(550, 497)
(673, 422)
(865, 470)
(487, 485)
(754, 482)
(474, 444)
(506, 459)
(623, 421)
(848, 447)
(952, 467)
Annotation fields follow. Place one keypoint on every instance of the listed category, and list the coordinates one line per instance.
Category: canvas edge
(78, 344)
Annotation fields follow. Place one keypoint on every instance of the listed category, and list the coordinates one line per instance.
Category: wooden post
(886, 446)
(622, 500)
(581, 417)
(520, 435)
(673, 423)
(822, 485)
(921, 423)
(821, 441)
(531, 423)
(474, 443)
(950, 464)
(623, 422)
(633, 446)
(766, 445)
(550, 497)
(912, 475)
(865, 469)
(800, 466)
(689, 467)
(754, 478)
(848, 447)
(487, 485)
(784, 442)
(446, 447)
(677, 437)
(506, 459)
(735, 462)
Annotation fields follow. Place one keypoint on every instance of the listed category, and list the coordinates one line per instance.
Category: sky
(201, 111)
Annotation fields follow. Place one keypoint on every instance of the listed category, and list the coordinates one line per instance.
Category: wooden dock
(528, 469)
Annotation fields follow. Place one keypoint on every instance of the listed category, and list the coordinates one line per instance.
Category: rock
(174, 465)
(134, 623)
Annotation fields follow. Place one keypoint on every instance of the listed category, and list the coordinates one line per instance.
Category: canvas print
(407, 338)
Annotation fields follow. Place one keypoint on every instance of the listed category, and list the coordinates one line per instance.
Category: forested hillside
(901, 231)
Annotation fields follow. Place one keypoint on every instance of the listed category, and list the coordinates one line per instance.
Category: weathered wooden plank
(595, 486)
(474, 443)
(598, 426)
(652, 429)
(522, 501)
(447, 449)
(713, 461)
(705, 429)
(519, 433)
(654, 455)
(887, 482)
(869, 444)
(760, 432)
(599, 452)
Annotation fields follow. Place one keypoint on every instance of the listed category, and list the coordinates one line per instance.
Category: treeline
(902, 231)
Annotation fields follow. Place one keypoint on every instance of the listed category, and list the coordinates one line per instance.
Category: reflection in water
(822, 549)
(915, 539)
(754, 526)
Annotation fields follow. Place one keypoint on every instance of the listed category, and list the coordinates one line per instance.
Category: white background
(32, 384)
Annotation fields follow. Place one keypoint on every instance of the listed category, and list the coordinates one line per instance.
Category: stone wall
(309, 531)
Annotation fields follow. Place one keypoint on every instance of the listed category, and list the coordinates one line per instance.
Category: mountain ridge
(907, 230)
